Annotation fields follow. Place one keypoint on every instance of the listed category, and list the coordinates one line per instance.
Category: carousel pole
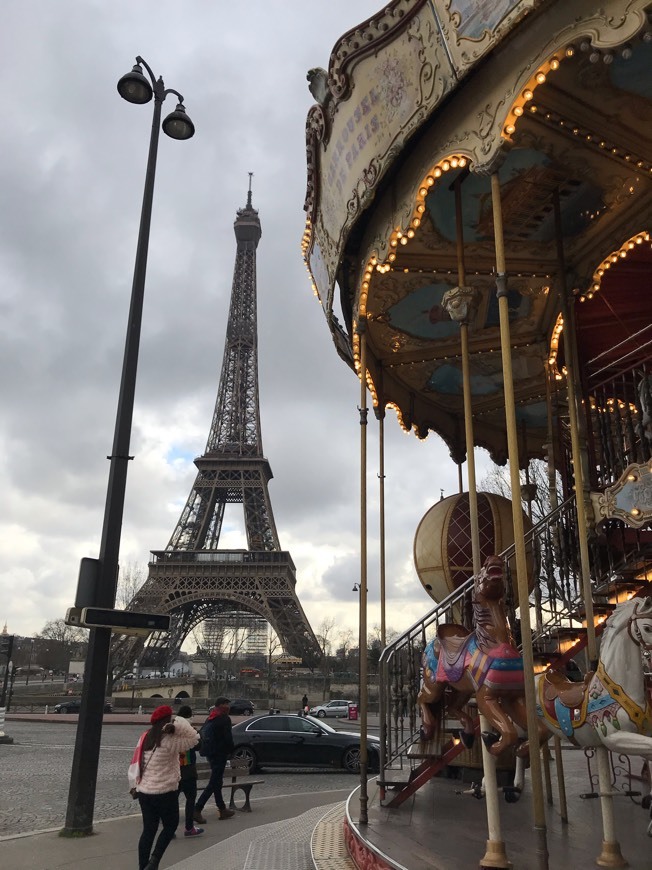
(379, 410)
(572, 379)
(554, 502)
(460, 304)
(362, 641)
(610, 856)
(380, 414)
(538, 808)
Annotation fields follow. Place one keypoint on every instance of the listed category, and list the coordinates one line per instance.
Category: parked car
(73, 705)
(332, 708)
(242, 707)
(300, 741)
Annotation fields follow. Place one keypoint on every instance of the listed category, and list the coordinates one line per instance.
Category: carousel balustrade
(620, 415)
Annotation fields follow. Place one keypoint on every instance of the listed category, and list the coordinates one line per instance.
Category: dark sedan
(242, 707)
(73, 705)
(300, 741)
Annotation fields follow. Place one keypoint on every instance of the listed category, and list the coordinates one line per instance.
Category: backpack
(206, 739)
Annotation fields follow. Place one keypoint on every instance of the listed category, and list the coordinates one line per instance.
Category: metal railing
(554, 549)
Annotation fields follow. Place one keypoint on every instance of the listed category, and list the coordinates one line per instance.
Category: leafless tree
(58, 643)
(130, 579)
(551, 562)
(220, 649)
(324, 636)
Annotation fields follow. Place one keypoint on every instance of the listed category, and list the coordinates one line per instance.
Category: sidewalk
(248, 841)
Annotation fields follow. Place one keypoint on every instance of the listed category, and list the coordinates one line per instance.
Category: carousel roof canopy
(412, 120)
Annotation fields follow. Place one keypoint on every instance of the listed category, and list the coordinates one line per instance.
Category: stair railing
(400, 662)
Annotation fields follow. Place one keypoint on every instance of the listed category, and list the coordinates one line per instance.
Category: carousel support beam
(460, 304)
(362, 639)
(572, 379)
(561, 782)
(538, 808)
(610, 856)
(554, 502)
(380, 413)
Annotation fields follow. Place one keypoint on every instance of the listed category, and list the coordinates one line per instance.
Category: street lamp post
(135, 88)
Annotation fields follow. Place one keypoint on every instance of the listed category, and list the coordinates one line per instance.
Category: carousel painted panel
(391, 94)
(474, 27)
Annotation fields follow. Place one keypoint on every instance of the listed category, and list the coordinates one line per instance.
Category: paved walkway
(275, 836)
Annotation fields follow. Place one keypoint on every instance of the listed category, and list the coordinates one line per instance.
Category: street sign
(124, 621)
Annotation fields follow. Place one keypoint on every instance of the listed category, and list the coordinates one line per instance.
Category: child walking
(188, 781)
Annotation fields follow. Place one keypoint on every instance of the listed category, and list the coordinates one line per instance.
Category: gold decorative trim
(640, 716)
(366, 39)
(629, 499)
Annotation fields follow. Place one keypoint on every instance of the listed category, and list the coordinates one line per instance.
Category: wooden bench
(236, 778)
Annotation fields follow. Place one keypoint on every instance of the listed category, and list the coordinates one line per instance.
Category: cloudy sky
(71, 179)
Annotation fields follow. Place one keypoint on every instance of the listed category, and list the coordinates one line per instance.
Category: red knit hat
(164, 712)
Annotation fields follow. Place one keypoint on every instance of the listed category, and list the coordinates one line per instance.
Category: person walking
(159, 750)
(305, 707)
(217, 745)
(188, 781)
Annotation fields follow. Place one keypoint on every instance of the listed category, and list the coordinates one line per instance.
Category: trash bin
(353, 711)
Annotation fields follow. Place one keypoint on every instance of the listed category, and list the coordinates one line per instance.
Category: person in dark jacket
(188, 781)
(217, 745)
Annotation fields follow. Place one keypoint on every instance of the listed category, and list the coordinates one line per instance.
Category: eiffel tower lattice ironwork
(192, 579)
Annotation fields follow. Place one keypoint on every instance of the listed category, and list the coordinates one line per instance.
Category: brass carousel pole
(380, 413)
(362, 641)
(554, 502)
(576, 450)
(538, 808)
(610, 856)
(460, 303)
(382, 706)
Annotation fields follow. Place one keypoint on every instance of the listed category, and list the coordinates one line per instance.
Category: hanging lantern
(442, 545)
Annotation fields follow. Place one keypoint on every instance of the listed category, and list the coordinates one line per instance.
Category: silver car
(332, 708)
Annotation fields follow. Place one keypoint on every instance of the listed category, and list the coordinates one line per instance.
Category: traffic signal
(6, 645)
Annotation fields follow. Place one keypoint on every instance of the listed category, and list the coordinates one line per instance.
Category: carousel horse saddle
(453, 640)
(570, 694)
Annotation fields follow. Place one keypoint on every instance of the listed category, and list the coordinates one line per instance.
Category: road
(36, 772)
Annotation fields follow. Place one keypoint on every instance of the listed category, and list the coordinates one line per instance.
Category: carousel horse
(484, 662)
(612, 706)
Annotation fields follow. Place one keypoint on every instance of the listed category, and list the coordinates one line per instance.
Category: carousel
(478, 234)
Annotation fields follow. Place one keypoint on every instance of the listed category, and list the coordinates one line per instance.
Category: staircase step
(425, 749)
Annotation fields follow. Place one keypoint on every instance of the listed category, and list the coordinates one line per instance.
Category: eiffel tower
(192, 579)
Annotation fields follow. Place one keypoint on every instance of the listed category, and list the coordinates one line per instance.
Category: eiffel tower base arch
(194, 586)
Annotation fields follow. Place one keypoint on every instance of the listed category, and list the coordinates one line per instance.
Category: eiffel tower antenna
(193, 579)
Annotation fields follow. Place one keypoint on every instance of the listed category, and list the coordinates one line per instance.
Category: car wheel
(321, 714)
(351, 759)
(248, 712)
(62, 710)
(245, 753)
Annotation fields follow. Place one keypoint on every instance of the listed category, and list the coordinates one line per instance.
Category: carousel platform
(442, 828)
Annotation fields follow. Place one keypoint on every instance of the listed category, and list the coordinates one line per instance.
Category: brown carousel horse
(484, 662)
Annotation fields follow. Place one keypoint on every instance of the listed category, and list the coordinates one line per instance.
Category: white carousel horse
(612, 706)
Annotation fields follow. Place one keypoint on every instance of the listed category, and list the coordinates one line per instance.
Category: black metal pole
(83, 778)
(10, 648)
(29, 663)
